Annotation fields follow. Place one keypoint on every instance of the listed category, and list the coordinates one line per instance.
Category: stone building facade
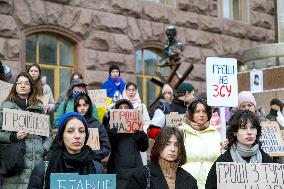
(106, 32)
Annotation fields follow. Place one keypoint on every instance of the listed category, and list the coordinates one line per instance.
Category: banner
(94, 138)
(174, 119)
(271, 138)
(221, 81)
(76, 181)
(5, 90)
(231, 175)
(126, 120)
(98, 97)
(15, 120)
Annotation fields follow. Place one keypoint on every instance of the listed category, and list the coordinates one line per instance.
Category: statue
(172, 53)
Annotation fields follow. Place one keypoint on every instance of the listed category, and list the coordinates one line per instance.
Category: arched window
(55, 55)
(147, 61)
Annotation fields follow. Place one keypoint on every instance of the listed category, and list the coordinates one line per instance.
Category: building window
(233, 9)
(164, 2)
(55, 55)
(146, 65)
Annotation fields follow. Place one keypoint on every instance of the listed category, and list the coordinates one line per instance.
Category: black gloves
(141, 139)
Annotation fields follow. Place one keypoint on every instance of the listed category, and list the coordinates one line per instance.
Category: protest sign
(5, 90)
(126, 120)
(174, 119)
(94, 138)
(271, 138)
(98, 97)
(222, 86)
(15, 120)
(256, 81)
(222, 83)
(249, 175)
(74, 180)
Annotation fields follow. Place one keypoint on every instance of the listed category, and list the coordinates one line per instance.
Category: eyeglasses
(23, 83)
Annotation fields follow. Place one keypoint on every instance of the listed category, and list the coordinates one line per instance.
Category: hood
(43, 80)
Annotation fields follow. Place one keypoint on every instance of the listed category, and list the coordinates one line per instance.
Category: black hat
(114, 67)
(123, 101)
(276, 101)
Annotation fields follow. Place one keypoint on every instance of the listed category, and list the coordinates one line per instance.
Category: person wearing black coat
(69, 153)
(164, 171)
(84, 106)
(243, 146)
(125, 150)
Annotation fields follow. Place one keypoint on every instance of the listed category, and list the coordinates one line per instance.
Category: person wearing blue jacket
(114, 83)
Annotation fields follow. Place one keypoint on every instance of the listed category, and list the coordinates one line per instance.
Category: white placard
(256, 81)
(222, 83)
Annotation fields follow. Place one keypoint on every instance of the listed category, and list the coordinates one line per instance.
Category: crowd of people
(181, 157)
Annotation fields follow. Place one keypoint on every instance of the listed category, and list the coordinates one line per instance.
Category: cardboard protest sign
(222, 83)
(126, 120)
(15, 120)
(271, 138)
(5, 90)
(249, 175)
(98, 97)
(94, 138)
(74, 180)
(174, 119)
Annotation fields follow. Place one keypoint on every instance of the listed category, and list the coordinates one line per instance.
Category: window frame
(57, 68)
(243, 10)
(146, 77)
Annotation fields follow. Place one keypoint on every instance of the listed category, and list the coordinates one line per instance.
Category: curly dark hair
(161, 141)
(239, 119)
(192, 108)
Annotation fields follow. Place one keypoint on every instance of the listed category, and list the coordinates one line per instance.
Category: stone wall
(112, 30)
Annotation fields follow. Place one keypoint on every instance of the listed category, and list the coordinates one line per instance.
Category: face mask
(76, 93)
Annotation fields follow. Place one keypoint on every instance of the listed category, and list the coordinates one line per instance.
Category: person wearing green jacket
(23, 97)
(77, 87)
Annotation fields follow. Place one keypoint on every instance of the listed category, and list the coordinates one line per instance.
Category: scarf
(60, 161)
(116, 80)
(112, 85)
(200, 127)
(77, 93)
(169, 170)
(238, 153)
(136, 101)
(22, 103)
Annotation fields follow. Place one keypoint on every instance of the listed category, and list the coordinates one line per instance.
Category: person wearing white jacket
(131, 93)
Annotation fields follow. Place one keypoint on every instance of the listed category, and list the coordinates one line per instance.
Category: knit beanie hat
(167, 88)
(114, 67)
(246, 96)
(182, 88)
(61, 124)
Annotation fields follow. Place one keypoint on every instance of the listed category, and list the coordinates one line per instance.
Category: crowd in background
(181, 157)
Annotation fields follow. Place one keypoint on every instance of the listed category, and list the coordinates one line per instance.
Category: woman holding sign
(125, 149)
(23, 97)
(164, 171)
(84, 106)
(243, 136)
(202, 141)
(69, 154)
